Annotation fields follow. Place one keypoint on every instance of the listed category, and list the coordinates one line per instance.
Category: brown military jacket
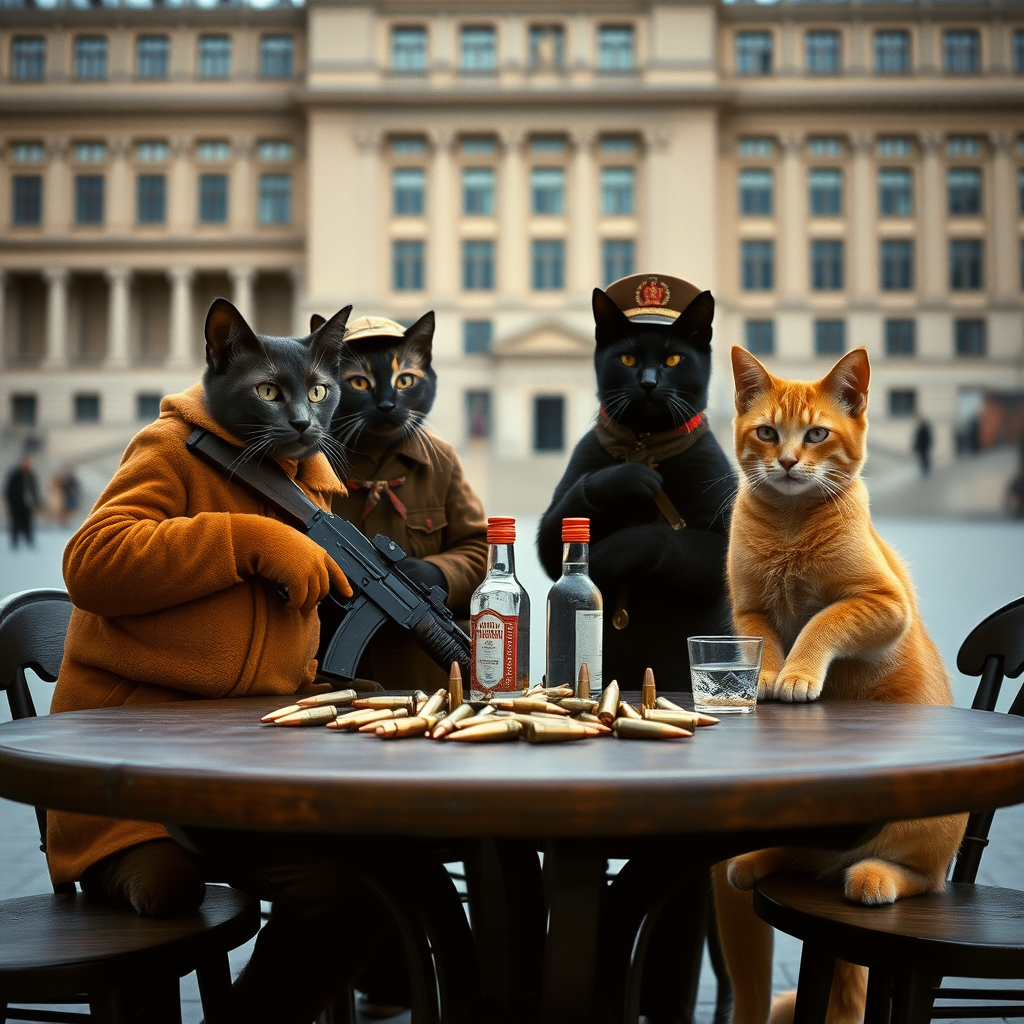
(443, 523)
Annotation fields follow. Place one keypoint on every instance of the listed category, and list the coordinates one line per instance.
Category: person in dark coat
(923, 441)
(21, 492)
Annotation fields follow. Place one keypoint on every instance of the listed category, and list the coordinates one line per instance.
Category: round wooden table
(816, 774)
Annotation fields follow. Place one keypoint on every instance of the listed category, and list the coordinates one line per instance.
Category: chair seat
(50, 942)
(969, 930)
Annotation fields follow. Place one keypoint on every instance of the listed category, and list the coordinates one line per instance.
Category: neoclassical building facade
(838, 174)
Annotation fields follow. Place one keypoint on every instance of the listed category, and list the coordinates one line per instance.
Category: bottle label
(494, 639)
(589, 641)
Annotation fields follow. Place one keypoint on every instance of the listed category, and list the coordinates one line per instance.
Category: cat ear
(329, 336)
(752, 379)
(316, 321)
(848, 381)
(419, 338)
(226, 332)
(694, 323)
(610, 323)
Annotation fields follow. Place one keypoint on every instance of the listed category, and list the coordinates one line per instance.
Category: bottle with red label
(499, 619)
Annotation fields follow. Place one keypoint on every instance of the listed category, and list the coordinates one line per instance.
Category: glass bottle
(499, 619)
(575, 613)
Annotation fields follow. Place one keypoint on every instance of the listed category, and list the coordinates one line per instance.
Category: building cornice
(153, 17)
(124, 100)
(875, 97)
(202, 246)
(867, 10)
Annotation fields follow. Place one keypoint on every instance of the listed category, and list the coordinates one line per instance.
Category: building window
(90, 152)
(618, 258)
(961, 52)
(408, 188)
(151, 198)
(900, 337)
(409, 145)
(757, 266)
(547, 144)
(902, 403)
(477, 336)
(478, 51)
(147, 406)
(963, 145)
(547, 265)
(87, 408)
(895, 192)
(963, 191)
(275, 205)
(616, 48)
(756, 146)
(547, 47)
(213, 198)
(27, 152)
(753, 53)
(825, 145)
(756, 190)
(1018, 51)
(823, 53)
(894, 145)
(89, 199)
(478, 265)
(478, 191)
(970, 337)
(27, 199)
(28, 58)
(897, 259)
(275, 150)
(214, 151)
(151, 152)
(23, 410)
(91, 58)
(547, 190)
(478, 415)
(152, 56)
(614, 144)
(966, 265)
(892, 52)
(617, 190)
(549, 423)
(215, 56)
(409, 49)
(759, 337)
(407, 266)
(829, 337)
(827, 265)
(825, 188)
(479, 145)
(277, 56)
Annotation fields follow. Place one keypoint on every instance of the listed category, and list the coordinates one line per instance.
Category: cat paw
(872, 882)
(794, 687)
(742, 872)
(766, 685)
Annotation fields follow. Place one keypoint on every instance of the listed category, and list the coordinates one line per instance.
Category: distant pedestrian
(922, 445)
(70, 491)
(21, 492)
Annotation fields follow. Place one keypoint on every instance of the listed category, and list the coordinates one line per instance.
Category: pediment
(545, 340)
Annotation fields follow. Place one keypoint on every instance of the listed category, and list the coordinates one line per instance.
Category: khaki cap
(651, 295)
(373, 326)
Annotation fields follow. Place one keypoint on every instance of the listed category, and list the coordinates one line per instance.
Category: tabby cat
(838, 614)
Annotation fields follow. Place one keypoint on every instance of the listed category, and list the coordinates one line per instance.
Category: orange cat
(839, 618)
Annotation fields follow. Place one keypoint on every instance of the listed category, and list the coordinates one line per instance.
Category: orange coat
(161, 611)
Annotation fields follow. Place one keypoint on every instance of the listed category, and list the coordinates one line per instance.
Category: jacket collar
(410, 446)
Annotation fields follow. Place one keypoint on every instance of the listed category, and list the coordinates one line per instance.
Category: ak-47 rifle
(382, 591)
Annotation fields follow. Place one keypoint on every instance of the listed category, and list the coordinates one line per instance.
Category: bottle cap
(575, 531)
(501, 530)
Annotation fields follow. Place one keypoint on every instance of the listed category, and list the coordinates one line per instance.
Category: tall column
(513, 246)
(659, 247)
(584, 269)
(180, 355)
(863, 254)
(58, 191)
(56, 357)
(120, 191)
(792, 260)
(443, 261)
(241, 282)
(242, 191)
(931, 219)
(1002, 216)
(182, 210)
(375, 274)
(118, 280)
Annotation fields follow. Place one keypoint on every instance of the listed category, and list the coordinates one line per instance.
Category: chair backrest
(994, 650)
(33, 624)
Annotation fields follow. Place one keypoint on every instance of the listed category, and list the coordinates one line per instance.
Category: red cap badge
(652, 292)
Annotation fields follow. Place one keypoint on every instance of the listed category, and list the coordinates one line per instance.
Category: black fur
(676, 579)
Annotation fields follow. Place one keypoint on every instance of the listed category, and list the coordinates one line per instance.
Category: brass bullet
(455, 697)
(337, 698)
(608, 706)
(486, 712)
(575, 704)
(435, 703)
(648, 693)
(631, 729)
(376, 717)
(273, 716)
(684, 719)
(522, 704)
(551, 692)
(489, 732)
(310, 716)
(554, 732)
(448, 723)
(583, 683)
(396, 729)
(592, 722)
(626, 710)
(351, 719)
(419, 695)
(389, 701)
(664, 704)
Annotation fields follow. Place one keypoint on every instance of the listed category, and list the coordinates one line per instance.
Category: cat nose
(386, 406)
(648, 380)
(787, 462)
(299, 425)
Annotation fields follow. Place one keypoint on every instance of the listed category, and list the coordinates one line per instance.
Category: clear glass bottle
(499, 619)
(575, 613)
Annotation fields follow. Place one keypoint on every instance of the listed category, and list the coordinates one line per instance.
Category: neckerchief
(374, 489)
(621, 443)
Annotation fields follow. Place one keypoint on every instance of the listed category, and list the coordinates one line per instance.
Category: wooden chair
(65, 948)
(968, 931)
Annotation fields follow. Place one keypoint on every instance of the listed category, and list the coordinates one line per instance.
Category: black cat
(658, 490)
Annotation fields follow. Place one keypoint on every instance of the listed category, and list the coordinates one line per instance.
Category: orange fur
(839, 618)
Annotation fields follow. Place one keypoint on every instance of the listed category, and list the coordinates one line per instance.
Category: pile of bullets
(539, 715)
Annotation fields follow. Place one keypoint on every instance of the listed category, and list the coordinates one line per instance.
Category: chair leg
(913, 996)
(878, 1007)
(723, 992)
(214, 979)
(817, 968)
(151, 1001)
(341, 1011)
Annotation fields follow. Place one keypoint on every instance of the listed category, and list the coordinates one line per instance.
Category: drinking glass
(724, 672)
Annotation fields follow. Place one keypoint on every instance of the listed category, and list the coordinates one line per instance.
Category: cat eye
(359, 383)
(317, 393)
(767, 434)
(405, 380)
(673, 360)
(627, 360)
(816, 435)
(268, 392)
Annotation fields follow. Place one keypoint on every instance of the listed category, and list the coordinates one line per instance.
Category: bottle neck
(501, 558)
(575, 558)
